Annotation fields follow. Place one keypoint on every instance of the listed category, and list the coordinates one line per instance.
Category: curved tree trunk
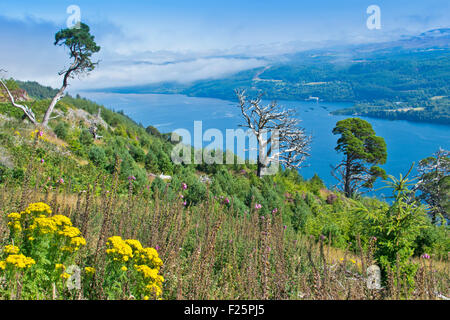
(52, 105)
(60, 93)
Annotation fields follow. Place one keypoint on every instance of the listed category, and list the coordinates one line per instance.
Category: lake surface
(407, 142)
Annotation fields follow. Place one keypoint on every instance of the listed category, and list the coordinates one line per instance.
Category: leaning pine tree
(81, 46)
(363, 152)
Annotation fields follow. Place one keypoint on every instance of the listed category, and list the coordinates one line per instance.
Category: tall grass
(211, 251)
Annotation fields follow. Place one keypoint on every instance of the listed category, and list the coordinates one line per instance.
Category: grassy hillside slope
(220, 232)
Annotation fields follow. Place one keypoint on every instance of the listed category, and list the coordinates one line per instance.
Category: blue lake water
(407, 142)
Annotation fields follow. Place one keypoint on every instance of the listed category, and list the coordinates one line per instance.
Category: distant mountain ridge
(429, 41)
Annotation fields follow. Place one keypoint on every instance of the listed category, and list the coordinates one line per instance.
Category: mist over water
(407, 142)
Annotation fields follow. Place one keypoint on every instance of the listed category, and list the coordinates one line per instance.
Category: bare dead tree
(26, 110)
(280, 138)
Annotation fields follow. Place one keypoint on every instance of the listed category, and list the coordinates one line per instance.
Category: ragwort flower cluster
(118, 249)
(141, 264)
(17, 261)
(60, 227)
(41, 240)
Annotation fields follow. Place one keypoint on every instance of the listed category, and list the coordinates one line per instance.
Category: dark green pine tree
(363, 152)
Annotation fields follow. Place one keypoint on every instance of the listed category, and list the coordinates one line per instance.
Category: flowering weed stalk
(41, 247)
(132, 270)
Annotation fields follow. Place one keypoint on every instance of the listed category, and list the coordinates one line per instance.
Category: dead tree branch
(26, 110)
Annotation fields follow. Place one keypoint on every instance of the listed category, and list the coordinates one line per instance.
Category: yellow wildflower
(119, 249)
(20, 261)
(68, 249)
(150, 256)
(65, 276)
(78, 242)
(15, 225)
(14, 216)
(60, 266)
(89, 270)
(154, 288)
(39, 134)
(135, 244)
(44, 225)
(61, 220)
(70, 232)
(37, 208)
(11, 249)
(147, 272)
(14, 222)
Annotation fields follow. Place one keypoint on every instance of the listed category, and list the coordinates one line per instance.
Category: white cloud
(31, 55)
(112, 74)
(140, 52)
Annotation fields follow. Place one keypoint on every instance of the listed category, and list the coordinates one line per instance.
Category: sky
(172, 40)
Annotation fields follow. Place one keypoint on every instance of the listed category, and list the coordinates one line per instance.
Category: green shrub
(137, 153)
(300, 213)
(151, 162)
(396, 229)
(3, 173)
(98, 156)
(86, 138)
(433, 240)
(75, 146)
(158, 186)
(62, 130)
(153, 131)
(316, 184)
(165, 164)
(18, 174)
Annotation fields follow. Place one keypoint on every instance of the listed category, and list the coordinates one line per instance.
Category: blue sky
(165, 40)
